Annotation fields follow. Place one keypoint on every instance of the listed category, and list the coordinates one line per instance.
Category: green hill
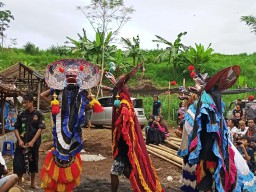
(159, 74)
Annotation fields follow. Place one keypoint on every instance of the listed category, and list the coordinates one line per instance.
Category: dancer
(68, 80)
(212, 157)
(129, 149)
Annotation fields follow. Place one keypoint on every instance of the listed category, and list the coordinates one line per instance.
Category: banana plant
(172, 50)
(93, 50)
(133, 50)
(198, 56)
(82, 47)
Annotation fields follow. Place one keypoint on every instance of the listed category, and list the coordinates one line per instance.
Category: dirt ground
(95, 176)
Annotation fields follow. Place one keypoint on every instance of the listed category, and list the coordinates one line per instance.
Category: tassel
(55, 105)
(97, 108)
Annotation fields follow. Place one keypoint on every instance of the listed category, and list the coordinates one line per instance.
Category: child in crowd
(238, 114)
(151, 118)
(181, 113)
(242, 129)
(233, 129)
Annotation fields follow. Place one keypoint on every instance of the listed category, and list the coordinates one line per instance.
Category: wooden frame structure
(17, 80)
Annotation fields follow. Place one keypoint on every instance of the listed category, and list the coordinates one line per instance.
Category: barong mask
(68, 78)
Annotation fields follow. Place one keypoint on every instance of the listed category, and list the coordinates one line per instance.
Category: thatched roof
(9, 90)
(23, 77)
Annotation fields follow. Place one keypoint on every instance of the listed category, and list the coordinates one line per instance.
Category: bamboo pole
(168, 148)
(166, 154)
(164, 158)
(172, 144)
(174, 139)
(164, 149)
(176, 142)
(169, 94)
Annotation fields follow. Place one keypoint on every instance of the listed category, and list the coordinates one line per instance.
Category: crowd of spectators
(157, 128)
(242, 130)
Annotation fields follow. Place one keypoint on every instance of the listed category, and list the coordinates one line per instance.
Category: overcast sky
(48, 22)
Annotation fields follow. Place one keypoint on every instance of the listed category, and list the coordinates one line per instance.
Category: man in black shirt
(157, 106)
(28, 129)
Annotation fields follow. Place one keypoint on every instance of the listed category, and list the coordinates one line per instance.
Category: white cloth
(2, 161)
(242, 133)
(234, 130)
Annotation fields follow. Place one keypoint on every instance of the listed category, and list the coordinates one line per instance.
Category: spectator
(157, 132)
(233, 129)
(250, 108)
(242, 129)
(247, 153)
(239, 102)
(251, 132)
(157, 106)
(151, 118)
(181, 113)
(88, 113)
(28, 129)
(8, 181)
(237, 113)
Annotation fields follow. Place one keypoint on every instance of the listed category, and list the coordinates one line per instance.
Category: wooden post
(2, 111)
(169, 93)
(184, 84)
(38, 94)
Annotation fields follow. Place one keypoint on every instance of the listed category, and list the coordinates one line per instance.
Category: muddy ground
(95, 176)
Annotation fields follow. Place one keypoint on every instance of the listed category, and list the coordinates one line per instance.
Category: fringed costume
(188, 170)
(128, 143)
(68, 80)
(209, 157)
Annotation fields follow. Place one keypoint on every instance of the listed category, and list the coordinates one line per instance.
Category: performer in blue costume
(68, 80)
(209, 158)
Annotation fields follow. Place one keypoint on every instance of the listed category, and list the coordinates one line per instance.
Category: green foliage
(198, 56)
(94, 50)
(173, 50)
(250, 21)
(31, 48)
(58, 50)
(5, 19)
(47, 133)
(157, 73)
(11, 56)
(133, 49)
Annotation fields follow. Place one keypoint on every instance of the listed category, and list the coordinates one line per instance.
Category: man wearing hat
(250, 108)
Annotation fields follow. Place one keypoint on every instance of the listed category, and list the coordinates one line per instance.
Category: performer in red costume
(128, 146)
